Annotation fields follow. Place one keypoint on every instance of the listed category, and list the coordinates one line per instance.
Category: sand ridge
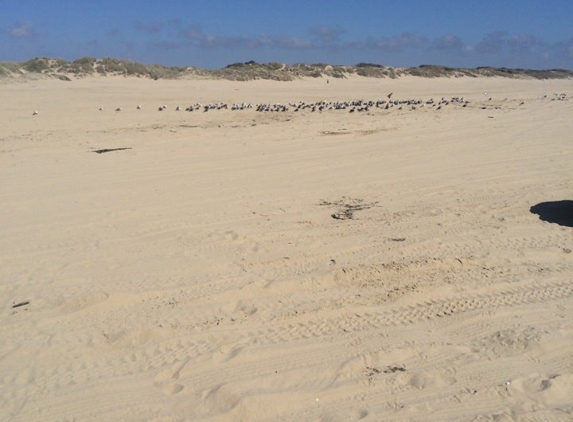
(330, 266)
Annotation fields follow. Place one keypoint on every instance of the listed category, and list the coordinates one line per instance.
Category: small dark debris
(345, 215)
(397, 239)
(17, 305)
(392, 369)
(372, 371)
(348, 207)
(101, 151)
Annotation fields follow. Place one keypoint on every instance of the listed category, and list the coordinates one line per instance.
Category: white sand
(200, 276)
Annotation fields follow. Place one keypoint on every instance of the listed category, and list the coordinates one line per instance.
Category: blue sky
(213, 33)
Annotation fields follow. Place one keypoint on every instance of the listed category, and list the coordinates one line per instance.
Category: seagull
(101, 109)
(35, 112)
(139, 107)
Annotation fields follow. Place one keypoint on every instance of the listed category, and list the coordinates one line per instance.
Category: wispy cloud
(563, 49)
(492, 43)
(524, 43)
(498, 42)
(166, 45)
(286, 42)
(328, 34)
(451, 43)
(198, 37)
(22, 30)
(149, 27)
(113, 33)
(398, 43)
(495, 47)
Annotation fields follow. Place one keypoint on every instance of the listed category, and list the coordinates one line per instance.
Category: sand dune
(327, 266)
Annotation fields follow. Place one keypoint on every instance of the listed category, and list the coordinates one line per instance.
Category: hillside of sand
(51, 68)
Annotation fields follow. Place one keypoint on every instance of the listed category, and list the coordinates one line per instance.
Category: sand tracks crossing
(201, 275)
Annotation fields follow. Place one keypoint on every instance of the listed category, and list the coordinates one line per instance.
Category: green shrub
(37, 65)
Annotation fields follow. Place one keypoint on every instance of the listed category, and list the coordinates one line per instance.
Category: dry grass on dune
(90, 66)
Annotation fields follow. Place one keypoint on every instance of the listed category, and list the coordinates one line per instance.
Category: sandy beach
(401, 264)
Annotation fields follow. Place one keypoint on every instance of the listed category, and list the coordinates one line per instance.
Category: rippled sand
(297, 266)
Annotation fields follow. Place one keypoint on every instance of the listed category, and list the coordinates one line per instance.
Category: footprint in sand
(77, 303)
(426, 379)
(221, 398)
(239, 310)
(164, 380)
(344, 416)
(553, 391)
(226, 353)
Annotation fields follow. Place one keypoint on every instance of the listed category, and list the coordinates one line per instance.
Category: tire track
(198, 346)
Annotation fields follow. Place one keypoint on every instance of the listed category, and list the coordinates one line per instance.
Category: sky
(533, 34)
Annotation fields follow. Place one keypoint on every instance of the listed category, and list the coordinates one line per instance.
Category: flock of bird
(350, 105)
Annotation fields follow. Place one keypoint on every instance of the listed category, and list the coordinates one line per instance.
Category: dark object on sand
(17, 305)
(392, 369)
(101, 151)
(558, 212)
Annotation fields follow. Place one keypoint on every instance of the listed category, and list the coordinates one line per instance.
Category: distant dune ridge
(91, 66)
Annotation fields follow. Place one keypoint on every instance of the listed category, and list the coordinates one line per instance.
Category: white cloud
(22, 30)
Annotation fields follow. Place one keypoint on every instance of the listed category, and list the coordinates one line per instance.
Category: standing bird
(35, 112)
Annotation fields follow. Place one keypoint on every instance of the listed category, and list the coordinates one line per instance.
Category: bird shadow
(558, 212)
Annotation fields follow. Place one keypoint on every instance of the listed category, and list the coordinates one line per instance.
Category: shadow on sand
(559, 212)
